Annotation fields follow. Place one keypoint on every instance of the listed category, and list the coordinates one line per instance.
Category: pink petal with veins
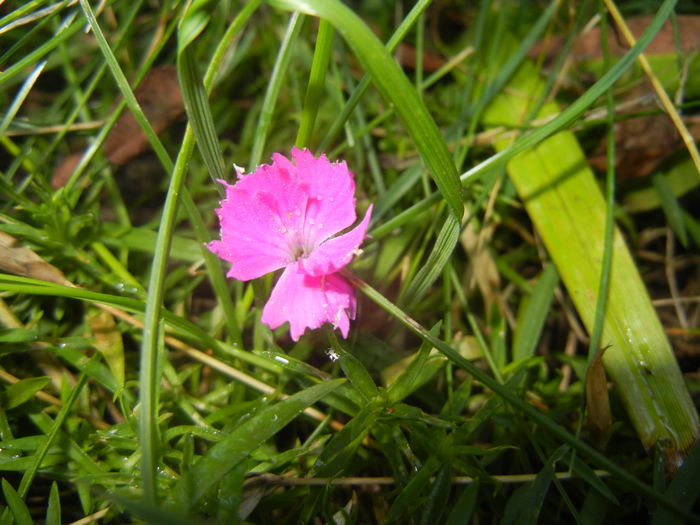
(335, 253)
(331, 204)
(307, 301)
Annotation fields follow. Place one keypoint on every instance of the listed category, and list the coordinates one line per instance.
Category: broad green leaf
(24, 390)
(234, 448)
(568, 210)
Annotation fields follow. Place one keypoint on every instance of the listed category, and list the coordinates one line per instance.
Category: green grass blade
(524, 505)
(596, 329)
(199, 113)
(53, 509)
(16, 506)
(396, 88)
(40, 454)
(317, 80)
(227, 453)
(532, 314)
(463, 510)
(432, 269)
(671, 206)
(356, 95)
(21, 95)
(354, 370)
(273, 89)
(24, 390)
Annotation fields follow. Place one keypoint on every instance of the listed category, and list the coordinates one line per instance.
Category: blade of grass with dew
(565, 203)
(151, 331)
(235, 447)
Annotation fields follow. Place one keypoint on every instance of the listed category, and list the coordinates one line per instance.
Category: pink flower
(288, 215)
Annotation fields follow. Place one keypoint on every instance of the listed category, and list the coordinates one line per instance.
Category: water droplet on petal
(282, 229)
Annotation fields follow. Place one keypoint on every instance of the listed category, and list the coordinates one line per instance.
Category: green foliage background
(138, 384)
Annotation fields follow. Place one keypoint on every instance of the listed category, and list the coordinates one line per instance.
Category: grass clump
(138, 383)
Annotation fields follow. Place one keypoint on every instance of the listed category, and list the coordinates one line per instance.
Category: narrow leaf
(532, 314)
(671, 207)
(463, 510)
(441, 253)
(53, 510)
(233, 449)
(18, 508)
(24, 390)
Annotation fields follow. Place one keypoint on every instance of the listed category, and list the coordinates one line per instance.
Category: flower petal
(261, 222)
(307, 301)
(331, 204)
(337, 252)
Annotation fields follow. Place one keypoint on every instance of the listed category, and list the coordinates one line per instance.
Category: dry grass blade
(660, 91)
(20, 260)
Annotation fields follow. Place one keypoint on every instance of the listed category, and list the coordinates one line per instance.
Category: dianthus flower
(289, 215)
